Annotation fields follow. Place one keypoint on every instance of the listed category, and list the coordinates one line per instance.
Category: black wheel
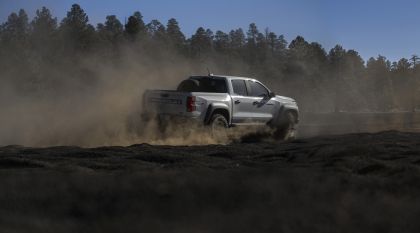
(219, 125)
(287, 129)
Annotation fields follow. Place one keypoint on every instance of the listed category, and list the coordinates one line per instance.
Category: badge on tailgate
(166, 101)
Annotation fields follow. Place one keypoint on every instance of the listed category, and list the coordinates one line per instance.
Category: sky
(387, 27)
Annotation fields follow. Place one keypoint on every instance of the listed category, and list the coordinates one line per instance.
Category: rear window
(203, 84)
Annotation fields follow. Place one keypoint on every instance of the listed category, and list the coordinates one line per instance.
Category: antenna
(208, 72)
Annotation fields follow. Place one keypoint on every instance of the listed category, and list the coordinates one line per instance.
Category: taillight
(190, 103)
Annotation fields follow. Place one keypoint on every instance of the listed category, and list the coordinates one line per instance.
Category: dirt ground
(349, 183)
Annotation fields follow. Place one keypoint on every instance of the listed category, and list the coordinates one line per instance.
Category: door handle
(255, 103)
(237, 102)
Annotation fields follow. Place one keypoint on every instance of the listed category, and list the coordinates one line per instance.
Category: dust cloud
(93, 110)
(86, 99)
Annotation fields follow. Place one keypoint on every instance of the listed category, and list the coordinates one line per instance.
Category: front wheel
(287, 129)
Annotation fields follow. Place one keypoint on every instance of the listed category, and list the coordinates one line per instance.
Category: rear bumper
(176, 119)
(172, 119)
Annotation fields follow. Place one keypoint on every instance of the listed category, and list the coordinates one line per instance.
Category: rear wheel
(287, 129)
(219, 125)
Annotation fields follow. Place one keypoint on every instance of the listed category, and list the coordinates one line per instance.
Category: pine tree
(237, 39)
(200, 42)
(379, 82)
(43, 22)
(16, 28)
(113, 29)
(221, 42)
(76, 29)
(175, 36)
(135, 27)
(156, 31)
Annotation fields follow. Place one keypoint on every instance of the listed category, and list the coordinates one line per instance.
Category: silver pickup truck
(221, 101)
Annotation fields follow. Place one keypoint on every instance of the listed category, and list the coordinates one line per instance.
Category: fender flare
(281, 114)
(214, 107)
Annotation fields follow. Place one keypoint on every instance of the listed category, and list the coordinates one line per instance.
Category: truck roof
(221, 76)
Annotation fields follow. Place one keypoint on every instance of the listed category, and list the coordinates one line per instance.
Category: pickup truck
(221, 101)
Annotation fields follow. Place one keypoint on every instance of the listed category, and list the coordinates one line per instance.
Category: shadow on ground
(347, 183)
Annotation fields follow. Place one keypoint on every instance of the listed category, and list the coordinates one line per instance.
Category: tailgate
(166, 102)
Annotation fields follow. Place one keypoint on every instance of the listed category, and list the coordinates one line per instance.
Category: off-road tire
(218, 126)
(287, 128)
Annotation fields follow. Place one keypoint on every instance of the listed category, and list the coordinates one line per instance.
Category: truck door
(242, 103)
(262, 103)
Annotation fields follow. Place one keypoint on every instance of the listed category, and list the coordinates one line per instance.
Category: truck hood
(284, 99)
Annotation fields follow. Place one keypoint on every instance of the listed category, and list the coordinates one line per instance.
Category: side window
(239, 87)
(257, 89)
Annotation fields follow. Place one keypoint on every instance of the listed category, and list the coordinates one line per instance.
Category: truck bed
(171, 102)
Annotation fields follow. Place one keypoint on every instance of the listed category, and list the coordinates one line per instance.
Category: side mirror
(272, 94)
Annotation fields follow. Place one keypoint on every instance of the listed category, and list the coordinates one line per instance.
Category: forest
(47, 59)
